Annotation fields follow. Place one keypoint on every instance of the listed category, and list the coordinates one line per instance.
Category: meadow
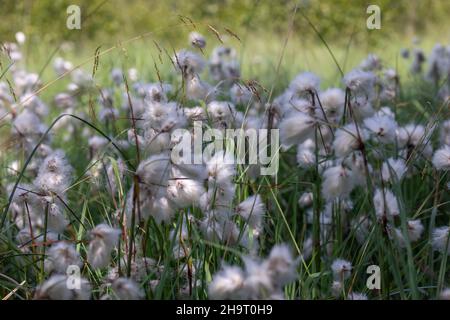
(94, 207)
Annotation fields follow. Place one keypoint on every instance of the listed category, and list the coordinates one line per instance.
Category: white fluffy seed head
(386, 204)
(359, 82)
(221, 113)
(60, 256)
(184, 192)
(252, 210)
(412, 135)
(445, 294)
(305, 82)
(357, 296)
(154, 172)
(227, 283)
(306, 199)
(104, 238)
(348, 139)
(415, 229)
(296, 129)
(220, 168)
(281, 265)
(197, 40)
(240, 94)
(188, 62)
(445, 133)
(57, 222)
(127, 289)
(440, 239)
(306, 156)
(54, 173)
(382, 128)
(55, 288)
(441, 158)
(162, 210)
(333, 104)
(338, 182)
(393, 169)
(342, 269)
(258, 281)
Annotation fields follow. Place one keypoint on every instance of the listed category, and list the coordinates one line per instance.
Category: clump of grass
(89, 180)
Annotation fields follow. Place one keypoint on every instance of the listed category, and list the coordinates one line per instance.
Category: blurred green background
(113, 20)
(275, 40)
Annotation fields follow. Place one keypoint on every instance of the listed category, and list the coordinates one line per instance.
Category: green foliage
(113, 20)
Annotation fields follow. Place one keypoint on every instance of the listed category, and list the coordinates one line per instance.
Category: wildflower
(445, 133)
(196, 89)
(162, 210)
(360, 82)
(223, 64)
(197, 40)
(64, 101)
(126, 289)
(386, 204)
(117, 76)
(258, 279)
(355, 162)
(57, 222)
(252, 210)
(371, 63)
(445, 294)
(61, 66)
(27, 128)
(154, 172)
(184, 191)
(81, 79)
(195, 114)
(218, 198)
(337, 182)
(440, 239)
(20, 37)
(382, 127)
(341, 269)
(441, 158)
(337, 288)
(103, 240)
(306, 199)
(332, 101)
(221, 112)
(57, 288)
(438, 64)
(412, 136)
(60, 256)
(393, 169)
(240, 94)
(304, 83)
(220, 168)
(348, 139)
(306, 155)
(54, 173)
(227, 283)
(133, 74)
(404, 53)
(357, 296)
(296, 129)
(162, 116)
(281, 265)
(415, 229)
(189, 63)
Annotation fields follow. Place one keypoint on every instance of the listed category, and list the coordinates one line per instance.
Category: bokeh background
(113, 20)
(279, 36)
